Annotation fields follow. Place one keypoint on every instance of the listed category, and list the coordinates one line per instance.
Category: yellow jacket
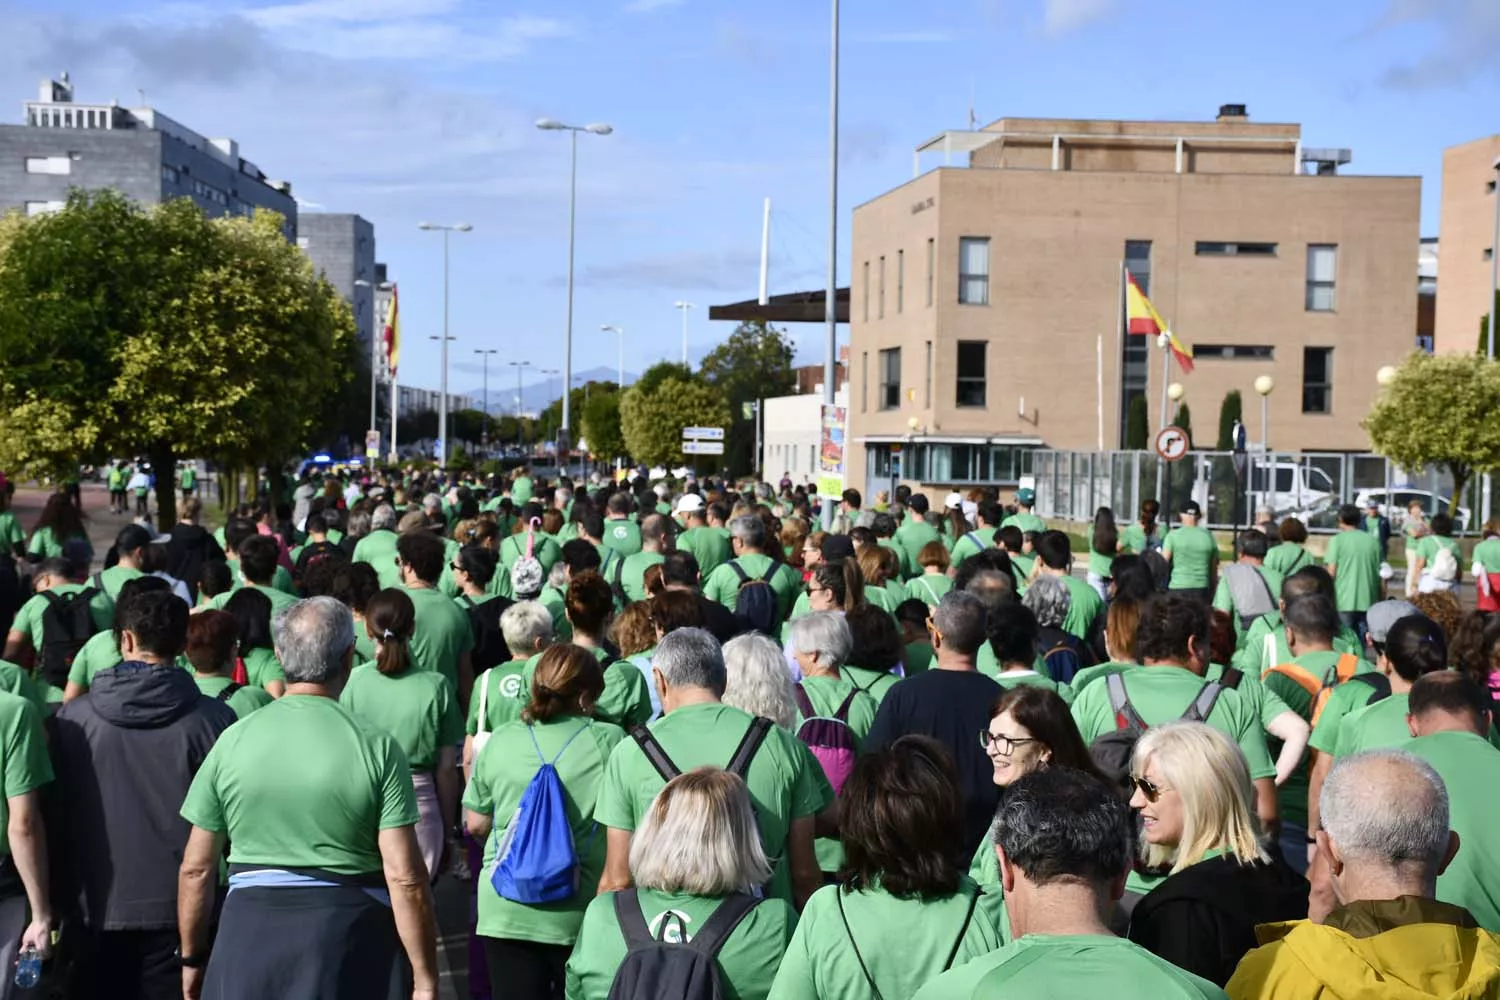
(1401, 949)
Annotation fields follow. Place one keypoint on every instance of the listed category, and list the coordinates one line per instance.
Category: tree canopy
(1440, 410)
(601, 424)
(1230, 410)
(652, 418)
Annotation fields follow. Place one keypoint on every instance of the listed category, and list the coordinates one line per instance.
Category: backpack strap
(842, 713)
(1231, 678)
(770, 573)
(99, 579)
(839, 895)
(1203, 705)
(569, 742)
(619, 572)
(744, 754)
(962, 930)
(230, 691)
(1126, 717)
(804, 703)
(973, 538)
(53, 599)
(484, 704)
(654, 753)
(632, 919)
(716, 930)
(739, 571)
(1379, 684)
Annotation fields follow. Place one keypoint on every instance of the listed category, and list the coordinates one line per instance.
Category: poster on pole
(831, 452)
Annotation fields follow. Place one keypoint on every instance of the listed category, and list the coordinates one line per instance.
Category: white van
(1287, 487)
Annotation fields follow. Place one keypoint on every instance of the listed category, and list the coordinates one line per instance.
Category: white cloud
(650, 6)
(1063, 16)
(1467, 39)
(292, 15)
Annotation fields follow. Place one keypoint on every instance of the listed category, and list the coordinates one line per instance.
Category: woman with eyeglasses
(1197, 807)
(1030, 729)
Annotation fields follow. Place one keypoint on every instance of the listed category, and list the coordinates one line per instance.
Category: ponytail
(391, 619)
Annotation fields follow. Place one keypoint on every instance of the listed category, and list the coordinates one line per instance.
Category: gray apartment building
(140, 152)
(342, 247)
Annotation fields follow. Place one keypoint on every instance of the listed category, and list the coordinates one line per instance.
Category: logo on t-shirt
(674, 931)
(620, 532)
(510, 686)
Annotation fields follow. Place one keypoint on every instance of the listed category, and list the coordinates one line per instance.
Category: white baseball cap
(954, 501)
(688, 503)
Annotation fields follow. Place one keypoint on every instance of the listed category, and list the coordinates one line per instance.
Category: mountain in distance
(537, 395)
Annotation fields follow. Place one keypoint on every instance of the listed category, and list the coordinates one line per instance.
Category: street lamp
(553, 125)
(830, 301)
(518, 366)
(1494, 260)
(683, 308)
(460, 227)
(484, 425)
(1265, 385)
(1386, 375)
(609, 328)
(374, 354)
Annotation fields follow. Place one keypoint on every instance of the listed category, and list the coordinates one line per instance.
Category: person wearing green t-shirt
(750, 545)
(130, 548)
(1486, 567)
(102, 651)
(625, 700)
(341, 802)
(1192, 553)
(499, 693)
(708, 545)
(258, 568)
(1289, 554)
(987, 515)
(1085, 607)
(1062, 877)
(1024, 517)
(25, 767)
(1142, 536)
(26, 642)
(622, 534)
(378, 548)
(444, 640)
(1414, 647)
(696, 729)
(521, 489)
(915, 534)
(1015, 638)
(934, 580)
(629, 573)
(1247, 589)
(1353, 560)
(1430, 572)
(210, 652)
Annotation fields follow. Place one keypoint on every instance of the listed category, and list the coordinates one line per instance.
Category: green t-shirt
(1083, 609)
(626, 701)
(502, 770)
(504, 692)
(1100, 564)
(902, 559)
(521, 491)
(378, 548)
(1292, 794)
(972, 543)
(1346, 700)
(1428, 547)
(874, 683)
(912, 536)
(723, 585)
(708, 546)
(243, 701)
(1089, 675)
(12, 538)
(903, 943)
(556, 603)
(917, 657)
(928, 588)
(303, 784)
(1470, 768)
(1194, 552)
(1355, 558)
(261, 666)
(1374, 727)
(622, 536)
(748, 960)
(1224, 597)
(1264, 705)
(101, 652)
(280, 599)
(1163, 694)
(1286, 558)
(984, 870)
(417, 707)
(1134, 539)
(631, 572)
(786, 782)
(14, 680)
(46, 545)
(23, 756)
(1026, 522)
(1070, 965)
(443, 633)
(1030, 678)
(1487, 554)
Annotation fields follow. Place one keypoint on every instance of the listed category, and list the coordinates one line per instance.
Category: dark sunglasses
(1150, 791)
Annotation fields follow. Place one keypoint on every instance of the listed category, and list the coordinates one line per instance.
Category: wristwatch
(191, 961)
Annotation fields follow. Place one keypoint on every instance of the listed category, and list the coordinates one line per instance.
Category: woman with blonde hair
(697, 864)
(1197, 809)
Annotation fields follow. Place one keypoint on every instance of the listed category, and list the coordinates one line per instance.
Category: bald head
(1448, 701)
(654, 532)
(1385, 814)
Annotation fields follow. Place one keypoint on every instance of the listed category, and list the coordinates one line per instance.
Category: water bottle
(28, 968)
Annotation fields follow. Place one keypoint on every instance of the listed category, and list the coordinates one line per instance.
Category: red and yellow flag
(392, 334)
(1141, 318)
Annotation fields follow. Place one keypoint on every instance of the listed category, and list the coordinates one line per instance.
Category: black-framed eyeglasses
(455, 567)
(1148, 788)
(811, 590)
(1000, 744)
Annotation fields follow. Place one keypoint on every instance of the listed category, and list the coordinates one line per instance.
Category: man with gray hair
(752, 565)
(697, 729)
(319, 812)
(1374, 917)
(378, 548)
(951, 703)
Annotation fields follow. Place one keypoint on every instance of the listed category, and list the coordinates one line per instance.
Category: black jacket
(1203, 918)
(124, 755)
(188, 548)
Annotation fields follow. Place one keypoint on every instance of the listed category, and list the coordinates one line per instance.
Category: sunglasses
(1151, 791)
(1002, 746)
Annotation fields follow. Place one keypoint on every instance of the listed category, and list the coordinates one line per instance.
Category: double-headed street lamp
(460, 227)
(374, 351)
(610, 328)
(598, 128)
(518, 366)
(484, 424)
(683, 308)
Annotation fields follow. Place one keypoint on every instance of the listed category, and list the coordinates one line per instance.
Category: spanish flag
(392, 334)
(1142, 318)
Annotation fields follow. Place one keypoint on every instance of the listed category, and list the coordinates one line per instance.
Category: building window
(931, 266)
(44, 207)
(974, 271)
(1489, 187)
(1322, 273)
(865, 291)
(1135, 352)
(864, 382)
(1317, 380)
(970, 373)
(170, 174)
(59, 165)
(927, 382)
(303, 243)
(880, 302)
(1234, 352)
(1489, 253)
(900, 279)
(1236, 249)
(890, 379)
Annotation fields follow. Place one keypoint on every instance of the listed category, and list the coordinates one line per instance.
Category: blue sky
(411, 110)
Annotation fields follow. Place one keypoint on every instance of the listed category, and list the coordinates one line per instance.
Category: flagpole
(1120, 322)
(395, 456)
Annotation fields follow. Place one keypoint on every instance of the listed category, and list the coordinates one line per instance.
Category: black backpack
(689, 970)
(67, 623)
(1113, 750)
(313, 552)
(739, 762)
(490, 649)
(1380, 686)
(756, 605)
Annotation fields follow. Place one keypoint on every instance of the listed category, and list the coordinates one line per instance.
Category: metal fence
(1231, 486)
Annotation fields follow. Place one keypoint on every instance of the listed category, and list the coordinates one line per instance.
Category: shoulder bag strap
(654, 753)
(484, 703)
(744, 754)
(839, 894)
(962, 931)
(1126, 717)
(1203, 705)
(619, 572)
(632, 919)
(804, 703)
(229, 691)
(718, 928)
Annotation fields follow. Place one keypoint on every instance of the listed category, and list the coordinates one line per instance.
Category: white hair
(690, 658)
(1388, 808)
(312, 637)
(383, 517)
(524, 623)
(757, 679)
(824, 634)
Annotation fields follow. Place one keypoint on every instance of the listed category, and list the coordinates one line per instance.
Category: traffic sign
(703, 447)
(703, 434)
(372, 444)
(1172, 443)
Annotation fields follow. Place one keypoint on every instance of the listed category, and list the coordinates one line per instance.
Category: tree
(1135, 424)
(1230, 410)
(419, 426)
(1440, 410)
(755, 362)
(652, 419)
(1185, 421)
(601, 424)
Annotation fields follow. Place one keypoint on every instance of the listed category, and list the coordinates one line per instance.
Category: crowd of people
(680, 740)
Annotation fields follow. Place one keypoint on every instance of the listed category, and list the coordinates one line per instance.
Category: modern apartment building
(342, 247)
(1468, 234)
(138, 151)
(986, 300)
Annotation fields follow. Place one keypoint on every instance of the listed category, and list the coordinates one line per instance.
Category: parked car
(1394, 506)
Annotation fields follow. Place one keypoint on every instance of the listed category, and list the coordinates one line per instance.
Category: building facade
(791, 430)
(1467, 230)
(342, 248)
(410, 400)
(140, 152)
(986, 302)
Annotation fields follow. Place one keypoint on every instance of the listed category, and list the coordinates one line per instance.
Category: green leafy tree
(1230, 410)
(1440, 410)
(1135, 424)
(652, 419)
(419, 426)
(1185, 421)
(754, 362)
(601, 424)
(468, 426)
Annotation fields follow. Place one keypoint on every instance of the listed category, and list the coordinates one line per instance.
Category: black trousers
(126, 965)
(525, 970)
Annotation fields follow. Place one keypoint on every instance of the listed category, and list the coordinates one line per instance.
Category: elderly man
(752, 564)
(378, 548)
(324, 870)
(1375, 921)
(951, 703)
(697, 729)
(1064, 842)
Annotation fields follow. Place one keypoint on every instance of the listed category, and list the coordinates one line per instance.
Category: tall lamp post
(683, 308)
(553, 125)
(1265, 385)
(1494, 288)
(830, 303)
(518, 366)
(620, 379)
(484, 425)
(461, 227)
(374, 355)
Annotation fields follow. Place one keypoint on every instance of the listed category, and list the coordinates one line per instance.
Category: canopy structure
(794, 307)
